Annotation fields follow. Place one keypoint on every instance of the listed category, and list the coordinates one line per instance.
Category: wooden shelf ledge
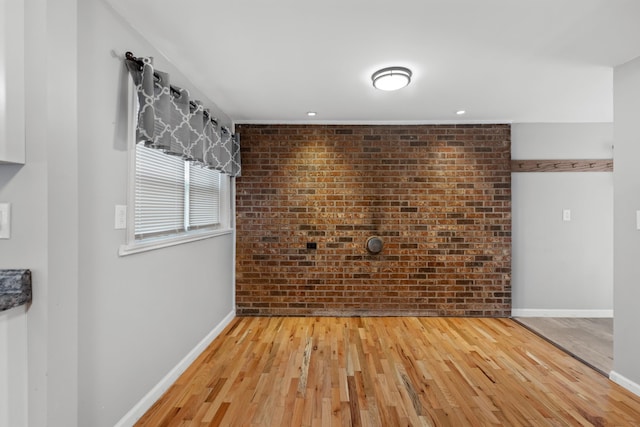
(562, 165)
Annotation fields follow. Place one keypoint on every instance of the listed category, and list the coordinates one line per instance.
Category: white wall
(42, 191)
(13, 323)
(562, 268)
(626, 349)
(139, 315)
(102, 330)
(13, 367)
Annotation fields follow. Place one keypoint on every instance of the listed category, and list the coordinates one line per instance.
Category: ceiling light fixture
(391, 78)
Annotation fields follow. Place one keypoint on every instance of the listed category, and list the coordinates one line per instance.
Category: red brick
(439, 196)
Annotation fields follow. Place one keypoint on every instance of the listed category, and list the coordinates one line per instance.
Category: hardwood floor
(402, 371)
(588, 339)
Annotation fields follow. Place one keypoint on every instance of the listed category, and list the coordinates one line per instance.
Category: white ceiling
(500, 60)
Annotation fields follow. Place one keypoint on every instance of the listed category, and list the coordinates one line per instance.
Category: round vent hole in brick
(374, 245)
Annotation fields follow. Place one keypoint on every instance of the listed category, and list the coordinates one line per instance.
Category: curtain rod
(130, 57)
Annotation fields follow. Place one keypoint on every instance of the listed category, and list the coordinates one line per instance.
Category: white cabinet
(13, 367)
(12, 114)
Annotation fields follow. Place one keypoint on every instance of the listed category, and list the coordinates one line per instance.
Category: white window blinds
(172, 196)
(204, 197)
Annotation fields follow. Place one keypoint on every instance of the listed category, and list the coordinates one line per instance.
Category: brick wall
(439, 197)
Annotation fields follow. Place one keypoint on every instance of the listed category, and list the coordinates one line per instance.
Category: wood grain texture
(401, 371)
(562, 165)
(588, 339)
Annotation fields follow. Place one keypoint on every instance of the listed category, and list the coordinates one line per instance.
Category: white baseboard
(534, 312)
(158, 390)
(625, 382)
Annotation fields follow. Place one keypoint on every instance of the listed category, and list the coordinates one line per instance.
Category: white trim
(171, 240)
(625, 382)
(131, 164)
(158, 390)
(536, 312)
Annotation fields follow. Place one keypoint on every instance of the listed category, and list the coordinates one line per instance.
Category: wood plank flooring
(588, 339)
(403, 371)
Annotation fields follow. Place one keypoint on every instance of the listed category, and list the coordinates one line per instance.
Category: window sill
(165, 242)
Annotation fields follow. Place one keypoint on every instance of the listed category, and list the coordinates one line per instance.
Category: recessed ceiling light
(391, 78)
(461, 112)
(311, 113)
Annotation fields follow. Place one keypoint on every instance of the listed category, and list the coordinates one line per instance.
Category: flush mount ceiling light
(391, 78)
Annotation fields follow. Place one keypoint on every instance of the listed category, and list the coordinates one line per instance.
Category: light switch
(121, 217)
(566, 214)
(5, 220)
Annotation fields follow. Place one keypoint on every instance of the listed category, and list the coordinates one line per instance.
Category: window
(159, 201)
(172, 200)
(173, 196)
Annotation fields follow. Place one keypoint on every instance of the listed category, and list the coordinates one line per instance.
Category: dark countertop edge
(15, 288)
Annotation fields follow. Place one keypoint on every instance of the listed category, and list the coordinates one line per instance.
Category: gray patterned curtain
(169, 121)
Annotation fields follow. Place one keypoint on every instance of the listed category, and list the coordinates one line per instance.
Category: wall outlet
(121, 217)
(5, 220)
